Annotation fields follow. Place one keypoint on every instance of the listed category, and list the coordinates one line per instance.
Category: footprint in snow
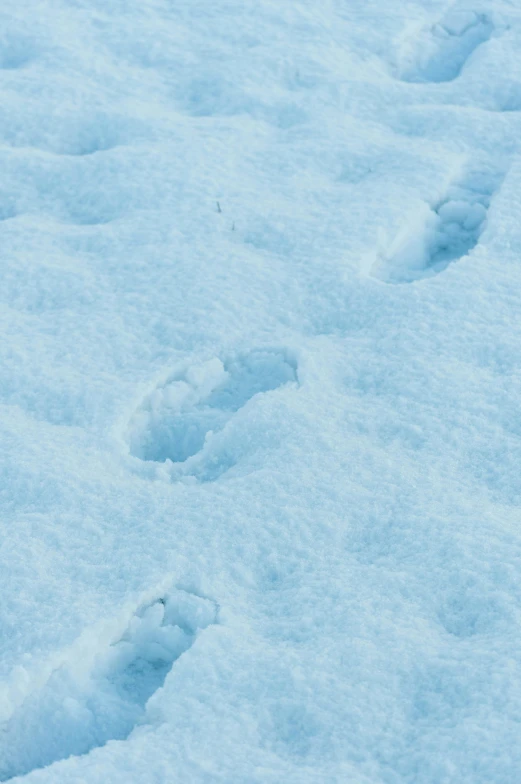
(101, 696)
(183, 422)
(442, 51)
(443, 233)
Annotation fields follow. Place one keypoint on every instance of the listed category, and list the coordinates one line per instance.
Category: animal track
(179, 422)
(444, 233)
(76, 711)
(441, 54)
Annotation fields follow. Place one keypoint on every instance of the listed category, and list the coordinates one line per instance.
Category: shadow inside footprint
(177, 420)
(87, 702)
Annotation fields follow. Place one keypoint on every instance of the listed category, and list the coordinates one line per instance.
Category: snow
(259, 401)
(179, 420)
(99, 695)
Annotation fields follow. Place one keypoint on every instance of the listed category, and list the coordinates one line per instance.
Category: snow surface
(260, 399)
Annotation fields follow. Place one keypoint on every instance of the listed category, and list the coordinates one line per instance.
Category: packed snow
(260, 399)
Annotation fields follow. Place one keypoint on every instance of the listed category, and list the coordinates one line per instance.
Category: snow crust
(260, 392)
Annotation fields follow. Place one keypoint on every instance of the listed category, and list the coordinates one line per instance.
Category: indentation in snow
(178, 421)
(7, 209)
(441, 234)
(507, 97)
(77, 710)
(471, 610)
(16, 52)
(440, 54)
(96, 133)
(210, 95)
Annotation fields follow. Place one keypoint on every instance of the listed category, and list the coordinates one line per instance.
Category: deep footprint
(445, 233)
(76, 711)
(442, 54)
(178, 421)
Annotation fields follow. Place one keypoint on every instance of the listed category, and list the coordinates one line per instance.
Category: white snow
(260, 391)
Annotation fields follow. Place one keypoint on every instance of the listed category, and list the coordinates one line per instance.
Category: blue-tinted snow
(260, 399)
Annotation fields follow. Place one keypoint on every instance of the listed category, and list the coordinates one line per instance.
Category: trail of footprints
(183, 425)
(187, 423)
(447, 230)
(93, 699)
